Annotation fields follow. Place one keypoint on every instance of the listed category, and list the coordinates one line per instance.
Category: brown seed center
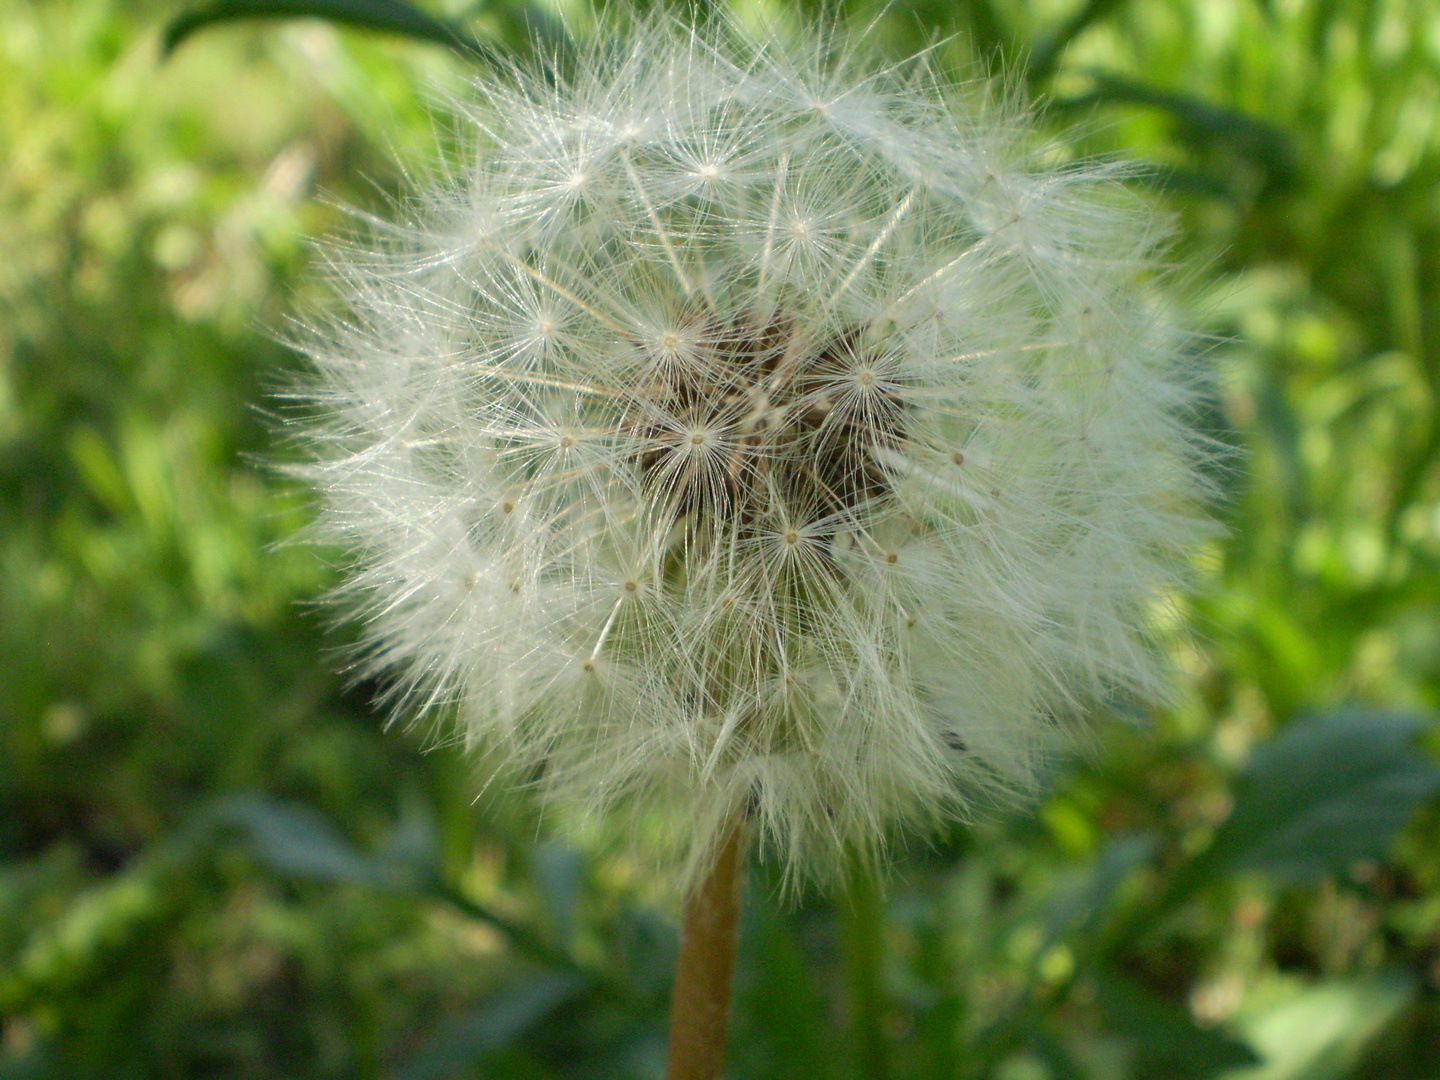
(796, 445)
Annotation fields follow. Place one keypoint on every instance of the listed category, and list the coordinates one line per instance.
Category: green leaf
(1165, 1036)
(389, 16)
(296, 840)
(1058, 1058)
(559, 874)
(30, 1066)
(1077, 910)
(92, 923)
(1321, 1032)
(1327, 792)
(1193, 183)
(464, 1042)
(780, 1031)
(1047, 51)
(1202, 124)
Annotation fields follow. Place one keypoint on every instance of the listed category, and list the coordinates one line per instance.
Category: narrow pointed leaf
(389, 16)
(1203, 124)
(1047, 52)
(779, 1028)
(295, 840)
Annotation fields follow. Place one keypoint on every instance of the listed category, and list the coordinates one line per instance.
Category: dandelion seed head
(736, 429)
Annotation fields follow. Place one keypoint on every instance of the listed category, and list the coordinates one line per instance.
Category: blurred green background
(214, 861)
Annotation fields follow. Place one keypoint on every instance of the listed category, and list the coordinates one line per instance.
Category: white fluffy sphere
(737, 431)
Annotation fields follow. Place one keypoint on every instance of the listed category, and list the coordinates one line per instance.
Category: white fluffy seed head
(735, 430)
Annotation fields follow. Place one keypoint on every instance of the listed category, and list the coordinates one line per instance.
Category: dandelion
(739, 433)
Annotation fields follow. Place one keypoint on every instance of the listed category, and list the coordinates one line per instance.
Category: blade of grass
(387, 16)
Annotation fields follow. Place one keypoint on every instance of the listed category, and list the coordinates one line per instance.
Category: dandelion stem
(700, 1003)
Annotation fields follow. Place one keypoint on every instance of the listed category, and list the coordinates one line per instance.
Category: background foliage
(213, 862)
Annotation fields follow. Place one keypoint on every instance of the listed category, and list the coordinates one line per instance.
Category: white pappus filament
(740, 429)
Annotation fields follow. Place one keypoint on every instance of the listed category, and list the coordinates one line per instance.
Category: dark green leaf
(559, 877)
(1327, 792)
(1046, 53)
(1204, 125)
(1177, 181)
(390, 16)
(31, 1066)
(780, 1028)
(413, 842)
(1078, 909)
(1057, 1056)
(296, 840)
(1165, 1036)
(466, 1041)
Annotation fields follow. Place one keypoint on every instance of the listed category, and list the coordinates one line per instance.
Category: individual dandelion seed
(739, 431)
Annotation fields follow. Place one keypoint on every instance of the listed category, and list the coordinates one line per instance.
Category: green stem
(863, 915)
